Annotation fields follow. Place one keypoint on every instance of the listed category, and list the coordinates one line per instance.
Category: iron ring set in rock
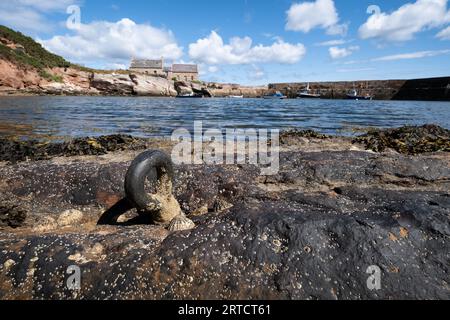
(157, 168)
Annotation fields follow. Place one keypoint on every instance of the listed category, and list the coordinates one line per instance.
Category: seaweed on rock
(17, 151)
(410, 140)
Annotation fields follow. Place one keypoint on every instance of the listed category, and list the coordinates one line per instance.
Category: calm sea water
(63, 117)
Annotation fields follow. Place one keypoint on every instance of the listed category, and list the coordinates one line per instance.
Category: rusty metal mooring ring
(154, 166)
(157, 168)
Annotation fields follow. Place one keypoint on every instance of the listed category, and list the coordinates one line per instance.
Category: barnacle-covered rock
(221, 205)
(181, 223)
(311, 231)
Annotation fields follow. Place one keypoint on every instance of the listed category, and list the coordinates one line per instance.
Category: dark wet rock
(271, 250)
(202, 187)
(14, 151)
(221, 205)
(11, 215)
(408, 140)
(316, 170)
(309, 232)
(101, 184)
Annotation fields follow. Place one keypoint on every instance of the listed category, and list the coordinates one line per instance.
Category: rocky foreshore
(15, 81)
(337, 207)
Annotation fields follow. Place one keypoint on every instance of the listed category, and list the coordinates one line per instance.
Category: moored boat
(276, 95)
(353, 95)
(308, 94)
(192, 95)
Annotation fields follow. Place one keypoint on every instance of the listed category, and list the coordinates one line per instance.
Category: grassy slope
(36, 56)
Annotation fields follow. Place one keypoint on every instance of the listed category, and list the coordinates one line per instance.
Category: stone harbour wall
(437, 89)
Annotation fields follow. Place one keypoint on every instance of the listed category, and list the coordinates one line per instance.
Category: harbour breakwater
(433, 89)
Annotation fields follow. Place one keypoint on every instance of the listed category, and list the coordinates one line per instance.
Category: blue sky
(249, 41)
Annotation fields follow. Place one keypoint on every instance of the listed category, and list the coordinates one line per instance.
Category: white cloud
(45, 5)
(444, 34)
(256, 73)
(351, 62)
(338, 29)
(29, 15)
(339, 53)
(412, 55)
(213, 50)
(349, 70)
(306, 16)
(115, 42)
(213, 69)
(406, 21)
(338, 42)
(116, 66)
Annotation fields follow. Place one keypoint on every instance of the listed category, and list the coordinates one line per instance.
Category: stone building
(178, 72)
(183, 72)
(150, 67)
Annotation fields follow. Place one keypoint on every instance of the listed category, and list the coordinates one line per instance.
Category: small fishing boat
(276, 95)
(353, 95)
(191, 95)
(236, 97)
(308, 94)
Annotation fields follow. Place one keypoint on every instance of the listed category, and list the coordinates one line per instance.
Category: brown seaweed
(16, 151)
(410, 140)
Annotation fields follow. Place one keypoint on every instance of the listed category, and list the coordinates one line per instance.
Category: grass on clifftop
(36, 56)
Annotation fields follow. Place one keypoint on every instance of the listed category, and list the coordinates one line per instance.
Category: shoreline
(130, 85)
(30, 94)
(410, 140)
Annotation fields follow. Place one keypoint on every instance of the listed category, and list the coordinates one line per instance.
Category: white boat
(308, 94)
(353, 95)
(192, 95)
(236, 97)
(276, 95)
